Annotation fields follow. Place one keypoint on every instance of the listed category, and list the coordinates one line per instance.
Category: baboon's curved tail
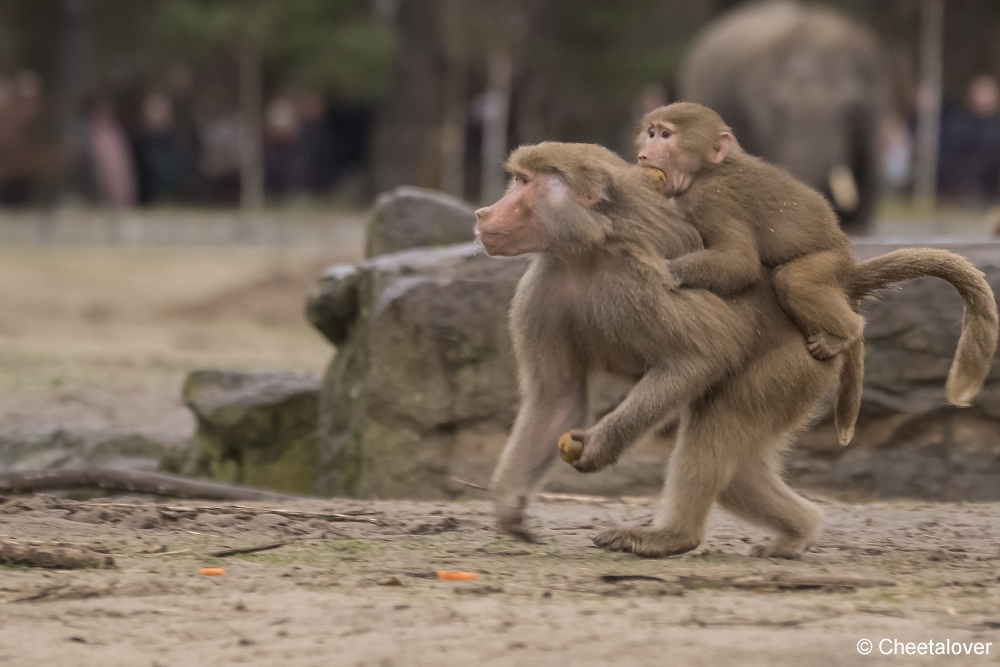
(978, 341)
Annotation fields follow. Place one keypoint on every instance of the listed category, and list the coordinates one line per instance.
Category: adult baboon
(599, 297)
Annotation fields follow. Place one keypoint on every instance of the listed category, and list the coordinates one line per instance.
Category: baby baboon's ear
(722, 148)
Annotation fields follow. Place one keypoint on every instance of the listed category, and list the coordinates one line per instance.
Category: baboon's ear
(596, 190)
(722, 148)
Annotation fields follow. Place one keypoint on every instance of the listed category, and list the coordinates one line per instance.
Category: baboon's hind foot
(780, 548)
(647, 542)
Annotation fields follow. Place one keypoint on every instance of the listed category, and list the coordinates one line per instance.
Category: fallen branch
(52, 556)
(234, 509)
(595, 500)
(295, 514)
(570, 497)
(161, 484)
(615, 578)
(783, 582)
(222, 553)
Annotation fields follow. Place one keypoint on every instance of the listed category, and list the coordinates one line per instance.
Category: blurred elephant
(802, 87)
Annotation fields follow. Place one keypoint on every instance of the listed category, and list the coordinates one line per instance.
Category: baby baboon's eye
(665, 133)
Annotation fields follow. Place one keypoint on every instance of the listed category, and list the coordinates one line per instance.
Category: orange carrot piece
(451, 575)
(213, 571)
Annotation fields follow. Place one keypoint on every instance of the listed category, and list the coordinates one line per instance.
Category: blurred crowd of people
(162, 146)
(969, 162)
(968, 170)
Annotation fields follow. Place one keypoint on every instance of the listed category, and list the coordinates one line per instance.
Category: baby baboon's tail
(849, 389)
(978, 340)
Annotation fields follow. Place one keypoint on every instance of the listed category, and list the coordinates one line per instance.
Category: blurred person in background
(111, 162)
(21, 153)
(969, 166)
(286, 162)
(219, 157)
(897, 154)
(315, 141)
(181, 89)
(157, 150)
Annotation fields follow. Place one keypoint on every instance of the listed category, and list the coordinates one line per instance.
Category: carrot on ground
(452, 575)
(213, 571)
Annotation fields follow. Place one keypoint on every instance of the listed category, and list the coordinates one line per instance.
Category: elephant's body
(803, 88)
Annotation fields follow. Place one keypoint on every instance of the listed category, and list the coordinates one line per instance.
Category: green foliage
(334, 45)
(602, 54)
(625, 45)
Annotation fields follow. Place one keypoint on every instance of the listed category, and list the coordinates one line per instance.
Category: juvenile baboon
(751, 213)
(599, 297)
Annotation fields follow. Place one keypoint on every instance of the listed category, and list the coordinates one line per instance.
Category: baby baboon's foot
(823, 346)
(789, 549)
(647, 542)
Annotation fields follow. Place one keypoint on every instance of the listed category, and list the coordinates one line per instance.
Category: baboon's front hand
(580, 449)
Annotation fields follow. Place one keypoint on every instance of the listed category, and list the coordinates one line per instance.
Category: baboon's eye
(652, 134)
(665, 133)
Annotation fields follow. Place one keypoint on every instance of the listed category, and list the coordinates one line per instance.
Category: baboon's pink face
(511, 226)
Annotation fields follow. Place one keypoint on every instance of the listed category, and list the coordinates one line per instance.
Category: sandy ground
(330, 595)
(101, 338)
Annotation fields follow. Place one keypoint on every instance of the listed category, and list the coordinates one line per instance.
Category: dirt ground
(101, 338)
(360, 588)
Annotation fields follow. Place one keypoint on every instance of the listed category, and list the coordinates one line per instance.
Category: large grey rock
(423, 388)
(256, 428)
(411, 217)
(428, 363)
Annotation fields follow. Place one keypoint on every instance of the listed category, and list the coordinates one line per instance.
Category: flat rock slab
(328, 597)
(63, 448)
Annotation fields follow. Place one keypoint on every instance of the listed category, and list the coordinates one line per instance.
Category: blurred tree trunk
(74, 44)
(929, 102)
(496, 113)
(251, 134)
(454, 29)
(405, 149)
